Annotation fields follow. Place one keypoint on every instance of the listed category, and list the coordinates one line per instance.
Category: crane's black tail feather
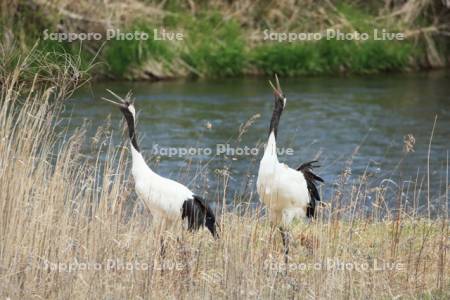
(199, 214)
(311, 179)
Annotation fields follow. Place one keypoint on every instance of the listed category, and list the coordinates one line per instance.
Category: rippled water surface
(333, 119)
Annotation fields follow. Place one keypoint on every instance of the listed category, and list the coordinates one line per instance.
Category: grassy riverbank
(223, 39)
(71, 227)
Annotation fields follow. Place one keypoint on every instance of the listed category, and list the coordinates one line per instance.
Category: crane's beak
(277, 90)
(113, 102)
(122, 103)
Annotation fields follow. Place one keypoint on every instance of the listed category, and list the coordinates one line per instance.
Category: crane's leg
(162, 249)
(273, 229)
(275, 219)
(162, 240)
(285, 237)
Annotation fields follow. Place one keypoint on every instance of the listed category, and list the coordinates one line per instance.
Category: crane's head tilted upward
(280, 99)
(126, 106)
(280, 103)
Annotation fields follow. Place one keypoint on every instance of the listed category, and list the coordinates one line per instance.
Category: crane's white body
(162, 196)
(282, 189)
(287, 193)
(167, 200)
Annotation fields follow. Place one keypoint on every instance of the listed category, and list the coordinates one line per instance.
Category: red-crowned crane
(169, 201)
(287, 193)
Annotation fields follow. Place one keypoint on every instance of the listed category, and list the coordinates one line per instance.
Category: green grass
(331, 56)
(121, 55)
(210, 46)
(215, 47)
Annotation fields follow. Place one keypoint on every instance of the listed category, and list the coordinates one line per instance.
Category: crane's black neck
(276, 115)
(131, 128)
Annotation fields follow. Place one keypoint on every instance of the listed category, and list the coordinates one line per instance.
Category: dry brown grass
(60, 208)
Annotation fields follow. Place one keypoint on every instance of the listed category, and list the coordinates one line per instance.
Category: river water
(356, 124)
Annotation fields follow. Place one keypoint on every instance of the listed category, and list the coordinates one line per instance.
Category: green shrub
(121, 55)
(214, 46)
